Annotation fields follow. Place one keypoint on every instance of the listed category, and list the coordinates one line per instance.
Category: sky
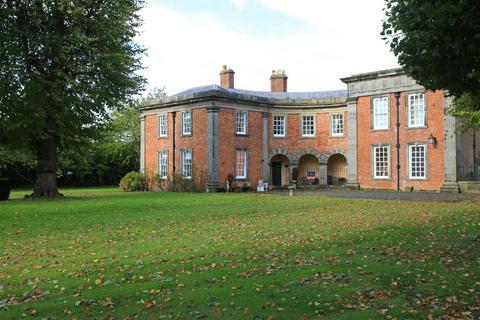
(316, 42)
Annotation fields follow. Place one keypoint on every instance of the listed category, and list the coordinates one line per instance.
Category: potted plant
(5, 187)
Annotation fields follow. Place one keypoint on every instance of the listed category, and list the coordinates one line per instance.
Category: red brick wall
(368, 137)
(323, 142)
(229, 142)
(197, 142)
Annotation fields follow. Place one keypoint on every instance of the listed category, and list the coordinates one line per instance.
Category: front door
(277, 173)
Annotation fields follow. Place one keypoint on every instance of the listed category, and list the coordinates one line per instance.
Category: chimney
(278, 81)
(227, 77)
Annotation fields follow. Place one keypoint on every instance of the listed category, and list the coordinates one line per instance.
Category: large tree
(65, 65)
(437, 43)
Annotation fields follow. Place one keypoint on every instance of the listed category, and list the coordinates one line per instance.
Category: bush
(196, 184)
(5, 187)
(133, 181)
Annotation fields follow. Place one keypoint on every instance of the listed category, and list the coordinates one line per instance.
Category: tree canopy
(65, 66)
(437, 43)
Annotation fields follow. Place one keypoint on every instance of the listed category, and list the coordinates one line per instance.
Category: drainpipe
(174, 114)
(397, 105)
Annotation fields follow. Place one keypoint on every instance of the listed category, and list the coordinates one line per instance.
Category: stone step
(469, 186)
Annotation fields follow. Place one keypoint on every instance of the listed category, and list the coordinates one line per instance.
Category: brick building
(383, 132)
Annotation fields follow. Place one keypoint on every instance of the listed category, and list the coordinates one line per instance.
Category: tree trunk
(47, 165)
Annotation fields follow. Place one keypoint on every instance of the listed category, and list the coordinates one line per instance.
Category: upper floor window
(279, 126)
(380, 113)
(308, 126)
(336, 124)
(241, 118)
(241, 164)
(162, 125)
(417, 165)
(187, 163)
(381, 162)
(163, 164)
(416, 110)
(187, 123)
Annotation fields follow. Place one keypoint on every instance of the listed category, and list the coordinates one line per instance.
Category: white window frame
(187, 163)
(304, 126)
(377, 162)
(336, 124)
(416, 110)
(377, 103)
(239, 166)
(187, 123)
(163, 164)
(241, 122)
(279, 123)
(162, 125)
(411, 161)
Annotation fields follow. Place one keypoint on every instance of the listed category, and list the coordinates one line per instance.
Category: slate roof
(262, 97)
(266, 94)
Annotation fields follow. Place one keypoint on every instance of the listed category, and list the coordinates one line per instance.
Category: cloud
(239, 3)
(188, 49)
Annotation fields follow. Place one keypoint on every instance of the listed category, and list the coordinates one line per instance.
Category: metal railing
(468, 172)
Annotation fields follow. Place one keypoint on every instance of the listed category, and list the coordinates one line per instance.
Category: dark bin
(5, 187)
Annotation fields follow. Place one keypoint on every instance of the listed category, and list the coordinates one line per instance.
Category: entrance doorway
(277, 173)
(279, 170)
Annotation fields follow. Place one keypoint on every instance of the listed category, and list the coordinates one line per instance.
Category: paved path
(384, 195)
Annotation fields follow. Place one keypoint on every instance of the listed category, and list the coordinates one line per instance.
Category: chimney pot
(278, 81)
(227, 78)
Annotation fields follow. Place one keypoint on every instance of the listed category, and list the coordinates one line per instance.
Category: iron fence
(468, 172)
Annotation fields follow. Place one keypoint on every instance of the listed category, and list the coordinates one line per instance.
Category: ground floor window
(417, 161)
(163, 164)
(381, 162)
(187, 163)
(241, 164)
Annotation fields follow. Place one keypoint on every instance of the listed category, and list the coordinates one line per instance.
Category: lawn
(101, 253)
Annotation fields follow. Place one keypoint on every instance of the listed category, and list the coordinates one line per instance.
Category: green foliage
(107, 254)
(465, 108)
(437, 43)
(15, 156)
(65, 66)
(133, 181)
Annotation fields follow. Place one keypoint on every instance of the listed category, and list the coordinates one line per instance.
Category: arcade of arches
(308, 170)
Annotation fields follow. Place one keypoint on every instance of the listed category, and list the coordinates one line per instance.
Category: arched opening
(337, 170)
(279, 170)
(308, 170)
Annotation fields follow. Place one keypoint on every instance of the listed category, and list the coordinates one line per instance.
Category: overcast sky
(315, 41)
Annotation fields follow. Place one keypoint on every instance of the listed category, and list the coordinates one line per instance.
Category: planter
(5, 187)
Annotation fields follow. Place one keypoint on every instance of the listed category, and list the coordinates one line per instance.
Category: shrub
(133, 181)
(155, 183)
(5, 187)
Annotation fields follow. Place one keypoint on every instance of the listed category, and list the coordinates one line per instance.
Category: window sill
(382, 179)
(241, 179)
(380, 130)
(163, 137)
(279, 137)
(307, 137)
(417, 179)
(337, 136)
(413, 128)
(186, 135)
(241, 135)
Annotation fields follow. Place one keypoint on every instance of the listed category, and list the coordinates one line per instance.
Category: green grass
(101, 253)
